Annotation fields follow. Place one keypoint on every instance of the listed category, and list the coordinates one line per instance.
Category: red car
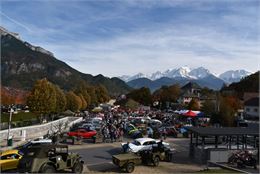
(83, 133)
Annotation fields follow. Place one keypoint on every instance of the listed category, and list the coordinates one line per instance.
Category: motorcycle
(234, 157)
(243, 159)
(246, 159)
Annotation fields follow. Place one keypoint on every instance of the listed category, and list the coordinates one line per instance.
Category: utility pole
(9, 125)
(217, 102)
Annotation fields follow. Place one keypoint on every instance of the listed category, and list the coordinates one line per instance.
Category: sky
(125, 37)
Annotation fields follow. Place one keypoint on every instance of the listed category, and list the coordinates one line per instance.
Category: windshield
(26, 145)
(136, 143)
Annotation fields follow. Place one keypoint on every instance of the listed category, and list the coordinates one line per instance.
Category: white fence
(31, 132)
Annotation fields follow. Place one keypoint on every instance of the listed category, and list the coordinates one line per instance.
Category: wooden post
(197, 140)
(216, 141)
(203, 142)
(237, 142)
(243, 142)
(229, 143)
(254, 141)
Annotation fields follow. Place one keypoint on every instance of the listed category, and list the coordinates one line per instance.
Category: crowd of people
(114, 125)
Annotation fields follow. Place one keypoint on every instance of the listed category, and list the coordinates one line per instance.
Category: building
(249, 95)
(188, 92)
(251, 109)
(191, 88)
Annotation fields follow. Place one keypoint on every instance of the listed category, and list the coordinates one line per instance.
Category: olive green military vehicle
(50, 159)
(128, 161)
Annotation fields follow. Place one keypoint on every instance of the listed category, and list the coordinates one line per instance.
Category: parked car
(83, 133)
(143, 144)
(10, 159)
(36, 142)
(50, 159)
(131, 129)
(170, 131)
(155, 123)
(87, 126)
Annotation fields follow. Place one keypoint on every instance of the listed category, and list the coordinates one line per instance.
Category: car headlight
(59, 158)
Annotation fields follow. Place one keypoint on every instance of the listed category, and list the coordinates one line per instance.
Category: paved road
(99, 157)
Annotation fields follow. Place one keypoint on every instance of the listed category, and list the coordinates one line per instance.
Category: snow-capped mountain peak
(199, 73)
(156, 75)
(179, 72)
(188, 73)
(233, 75)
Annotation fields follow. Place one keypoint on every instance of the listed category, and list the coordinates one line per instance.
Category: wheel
(48, 169)
(94, 139)
(78, 167)
(240, 164)
(130, 167)
(156, 161)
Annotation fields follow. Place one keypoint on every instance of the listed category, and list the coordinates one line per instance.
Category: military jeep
(50, 159)
(128, 161)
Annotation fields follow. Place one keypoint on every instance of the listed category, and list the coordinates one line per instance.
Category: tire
(130, 167)
(156, 161)
(48, 169)
(94, 139)
(77, 167)
(240, 164)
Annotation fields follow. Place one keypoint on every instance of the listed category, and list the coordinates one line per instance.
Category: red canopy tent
(190, 114)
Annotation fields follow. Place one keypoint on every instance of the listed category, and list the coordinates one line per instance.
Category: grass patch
(20, 116)
(217, 171)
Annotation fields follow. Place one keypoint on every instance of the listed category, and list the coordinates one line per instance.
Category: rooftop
(206, 131)
(252, 102)
(191, 85)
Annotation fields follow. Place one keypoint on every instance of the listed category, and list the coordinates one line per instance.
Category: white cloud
(150, 50)
(196, 38)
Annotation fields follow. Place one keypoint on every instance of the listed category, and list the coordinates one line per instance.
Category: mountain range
(22, 64)
(182, 75)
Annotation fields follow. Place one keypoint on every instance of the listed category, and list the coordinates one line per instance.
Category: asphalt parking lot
(98, 158)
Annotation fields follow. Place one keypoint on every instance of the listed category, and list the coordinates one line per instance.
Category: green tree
(83, 102)
(92, 94)
(208, 107)
(194, 105)
(226, 109)
(142, 95)
(227, 114)
(73, 101)
(82, 89)
(131, 104)
(101, 94)
(42, 98)
(60, 100)
(167, 94)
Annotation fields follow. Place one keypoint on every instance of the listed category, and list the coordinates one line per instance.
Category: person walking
(164, 133)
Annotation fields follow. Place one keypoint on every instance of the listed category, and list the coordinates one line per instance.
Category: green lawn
(21, 116)
(217, 171)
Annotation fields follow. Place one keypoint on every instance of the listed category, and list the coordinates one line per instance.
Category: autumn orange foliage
(13, 96)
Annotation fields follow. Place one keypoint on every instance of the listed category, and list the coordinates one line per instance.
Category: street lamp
(9, 127)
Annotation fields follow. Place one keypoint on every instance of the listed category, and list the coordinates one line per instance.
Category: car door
(9, 161)
(151, 143)
(82, 133)
(5, 162)
(85, 134)
(92, 133)
(146, 145)
(15, 160)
